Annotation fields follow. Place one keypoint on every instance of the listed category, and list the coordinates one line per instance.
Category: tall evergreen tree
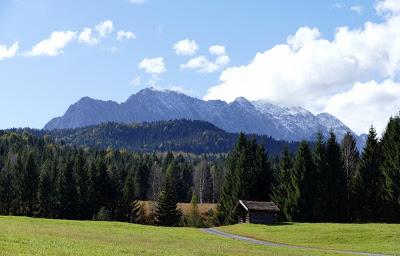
(284, 189)
(167, 212)
(350, 159)
(391, 169)
(46, 195)
(320, 188)
(31, 177)
(336, 181)
(67, 190)
(304, 170)
(369, 180)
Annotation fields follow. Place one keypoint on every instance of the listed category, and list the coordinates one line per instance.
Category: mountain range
(241, 115)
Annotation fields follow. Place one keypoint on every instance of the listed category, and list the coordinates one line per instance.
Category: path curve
(218, 232)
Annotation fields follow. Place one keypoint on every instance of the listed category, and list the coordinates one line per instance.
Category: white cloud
(105, 28)
(388, 7)
(153, 65)
(365, 104)
(217, 50)
(202, 65)
(309, 70)
(54, 45)
(136, 81)
(357, 9)
(137, 1)
(125, 35)
(8, 52)
(86, 36)
(186, 47)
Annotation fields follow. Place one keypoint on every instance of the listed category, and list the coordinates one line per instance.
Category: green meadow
(31, 236)
(372, 238)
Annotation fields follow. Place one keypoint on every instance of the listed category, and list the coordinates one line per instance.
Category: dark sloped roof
(259, 206)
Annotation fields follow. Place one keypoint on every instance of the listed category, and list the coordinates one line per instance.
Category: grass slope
(29, 236)
(373, 238)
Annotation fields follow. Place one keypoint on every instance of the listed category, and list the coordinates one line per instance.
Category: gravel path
(259, 242)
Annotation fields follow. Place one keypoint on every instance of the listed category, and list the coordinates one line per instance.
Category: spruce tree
(167, 212)
(369, 183)
(46, 196)
(284, 189)
(67, 190)
(304, 170)
(350, 158)
(336, 181)
(321, 166)
(391, 169)
(31, 183)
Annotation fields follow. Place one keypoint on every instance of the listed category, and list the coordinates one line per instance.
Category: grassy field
(377, 238)
(29, 236)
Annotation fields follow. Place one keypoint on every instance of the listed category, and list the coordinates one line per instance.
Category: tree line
(41, 178)
(323, 182)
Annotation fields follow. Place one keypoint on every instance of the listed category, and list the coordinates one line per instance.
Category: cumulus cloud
(310, 71)
(54, 45)
(87, 37)
(8, 52)
(125, 35)
(153, 65)
(186, 47)
(105, 28)
(203, 65)
(217, 50)
(366, 103)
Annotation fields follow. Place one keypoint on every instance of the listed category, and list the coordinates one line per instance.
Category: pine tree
(67, 190)
(350, 158)
(304, 170)
(263, 175)
(231, 187)
(167, 212)
(369, 180)
(31, 182)
(321, 169)
(336, 181)
(284, 188)
(391, 169)
(80, 168)
(141, 180)
(46, 191)
(129, 197)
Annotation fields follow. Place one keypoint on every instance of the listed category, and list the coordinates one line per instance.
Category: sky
(340, 57)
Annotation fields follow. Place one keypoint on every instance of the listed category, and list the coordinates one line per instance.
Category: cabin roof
(258, 206)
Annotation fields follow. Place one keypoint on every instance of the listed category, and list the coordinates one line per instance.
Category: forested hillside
(322, 182)
(179, 135)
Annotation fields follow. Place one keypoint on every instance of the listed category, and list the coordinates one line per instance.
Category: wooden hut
(256, 212)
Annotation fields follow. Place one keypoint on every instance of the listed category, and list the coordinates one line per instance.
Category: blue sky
(36, 86)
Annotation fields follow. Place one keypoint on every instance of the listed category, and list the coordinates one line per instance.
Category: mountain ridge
(241, 115)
